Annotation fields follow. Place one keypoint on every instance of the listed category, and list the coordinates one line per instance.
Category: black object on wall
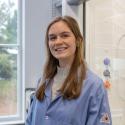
(76, 2)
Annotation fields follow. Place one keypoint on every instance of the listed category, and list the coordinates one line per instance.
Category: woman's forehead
(59, 26)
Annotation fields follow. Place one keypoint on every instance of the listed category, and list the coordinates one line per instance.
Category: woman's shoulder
(92, 76)
(93, 80)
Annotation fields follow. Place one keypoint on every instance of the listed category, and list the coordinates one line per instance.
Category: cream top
(59, 79)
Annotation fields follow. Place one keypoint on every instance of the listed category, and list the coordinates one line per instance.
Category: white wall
(75, 11)
(37, 16)
(105, 29)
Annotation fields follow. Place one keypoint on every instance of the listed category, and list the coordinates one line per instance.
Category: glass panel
(8, 80)
(105, 43)
(11, 80)
(8, 21)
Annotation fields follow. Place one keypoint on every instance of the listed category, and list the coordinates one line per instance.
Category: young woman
(69, 93)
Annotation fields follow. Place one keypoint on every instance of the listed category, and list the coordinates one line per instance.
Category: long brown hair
(72, 85)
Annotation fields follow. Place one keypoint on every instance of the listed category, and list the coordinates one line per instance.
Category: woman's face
(62, 42)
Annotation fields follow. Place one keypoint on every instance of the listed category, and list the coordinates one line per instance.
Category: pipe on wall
(58, 3)
(76, 2)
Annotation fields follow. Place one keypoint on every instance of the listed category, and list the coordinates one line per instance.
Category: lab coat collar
(48, 90)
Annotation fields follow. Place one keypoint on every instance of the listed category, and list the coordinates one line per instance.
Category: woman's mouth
(60, 49)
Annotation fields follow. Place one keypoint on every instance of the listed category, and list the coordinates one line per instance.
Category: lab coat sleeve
(99, 111)
(30, 112)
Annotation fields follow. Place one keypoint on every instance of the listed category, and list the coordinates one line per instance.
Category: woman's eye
(52, 38)
(64, 35)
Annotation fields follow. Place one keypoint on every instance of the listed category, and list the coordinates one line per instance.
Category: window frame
(19, 118)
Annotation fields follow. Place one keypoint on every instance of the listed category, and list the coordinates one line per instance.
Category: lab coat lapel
(48, 91)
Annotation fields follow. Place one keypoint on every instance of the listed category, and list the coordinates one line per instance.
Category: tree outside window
(8, 57)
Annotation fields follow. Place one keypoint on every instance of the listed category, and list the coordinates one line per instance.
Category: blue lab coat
(90, 108)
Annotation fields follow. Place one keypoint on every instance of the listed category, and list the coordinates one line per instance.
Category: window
(11, 79)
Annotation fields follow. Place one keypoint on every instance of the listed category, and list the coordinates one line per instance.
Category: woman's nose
(59, 40)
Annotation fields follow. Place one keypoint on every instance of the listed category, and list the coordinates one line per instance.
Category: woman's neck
(64, 63)
(63, 70)
(61, 74)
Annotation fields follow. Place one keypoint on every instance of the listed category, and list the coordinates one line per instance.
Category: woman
(69, 93)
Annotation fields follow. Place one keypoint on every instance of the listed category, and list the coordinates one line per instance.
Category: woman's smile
(61, 49)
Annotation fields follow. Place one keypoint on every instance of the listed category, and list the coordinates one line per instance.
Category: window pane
(11, 80)
(8, 80)
(8, 21)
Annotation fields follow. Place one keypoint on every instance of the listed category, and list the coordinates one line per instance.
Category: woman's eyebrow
(64, 32)
(51, 35)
